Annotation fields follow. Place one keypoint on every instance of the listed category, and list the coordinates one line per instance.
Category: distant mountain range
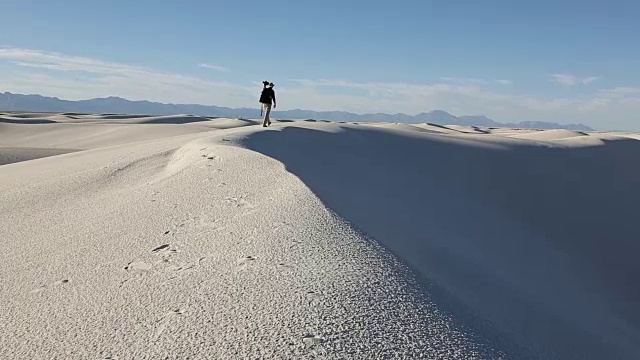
(38, 103)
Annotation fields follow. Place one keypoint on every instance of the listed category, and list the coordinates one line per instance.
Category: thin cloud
(461, 99)
(214, 67)
(568, 80)
(61, 62)
(564, 79)
(475, 81)
(68, 63)
(100, 78)
(590, 79)
(464, 80)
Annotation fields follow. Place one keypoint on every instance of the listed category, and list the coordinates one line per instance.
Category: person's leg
(267, 111)
(269, 116)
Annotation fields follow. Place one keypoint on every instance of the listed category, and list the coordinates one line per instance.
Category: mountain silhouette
(117, 105)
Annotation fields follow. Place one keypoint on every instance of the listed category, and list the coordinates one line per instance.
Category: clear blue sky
(563, 61)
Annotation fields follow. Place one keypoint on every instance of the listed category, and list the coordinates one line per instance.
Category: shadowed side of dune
(26, 121)
(121, 116)
(537, 243)
(150, 119)
(25, 115)
(185, 119)
(10, 155)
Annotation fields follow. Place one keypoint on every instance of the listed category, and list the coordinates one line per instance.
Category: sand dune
(10, 155)
(469, 129)
(437, 128)
(219, 239)
(167, 119)
(56, 133)
(555, 134)
(78, 118)
(12, 120)
(513, 233)
(25, 115)
(405, 127)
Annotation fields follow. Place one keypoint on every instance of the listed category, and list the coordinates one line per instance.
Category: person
(267, 98)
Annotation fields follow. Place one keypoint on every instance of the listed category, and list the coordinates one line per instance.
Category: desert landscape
(147, 237)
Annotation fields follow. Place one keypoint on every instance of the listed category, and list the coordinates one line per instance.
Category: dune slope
(31, 136)
(214, 238)
(185, 247)
(535, 242)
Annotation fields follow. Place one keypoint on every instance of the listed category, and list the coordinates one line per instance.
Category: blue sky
(563, 61)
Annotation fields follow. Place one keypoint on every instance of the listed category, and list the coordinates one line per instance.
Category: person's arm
(274, 99)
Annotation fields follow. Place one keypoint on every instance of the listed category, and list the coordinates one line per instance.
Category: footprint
(153, 194)
(40, 289)
(165, 320)
(311, 340)
(284, 266)
(176, 268)
(138, 265)
(244, 262)
(239, 202)
(246, 259)
(278, 226)
(281, 224)
(44, 287)
(165, 252)
(217, 170)
(314, 298)
(161, 247)
(124, 282)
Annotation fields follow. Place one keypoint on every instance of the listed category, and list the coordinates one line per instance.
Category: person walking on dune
(267, 98)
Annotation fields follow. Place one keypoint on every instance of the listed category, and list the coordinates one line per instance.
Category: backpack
(266, 96)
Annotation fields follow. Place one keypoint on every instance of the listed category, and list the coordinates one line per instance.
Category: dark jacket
(268, 96)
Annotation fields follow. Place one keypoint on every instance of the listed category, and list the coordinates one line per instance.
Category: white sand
(163, 237)
(406, 127)
(555, 134)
